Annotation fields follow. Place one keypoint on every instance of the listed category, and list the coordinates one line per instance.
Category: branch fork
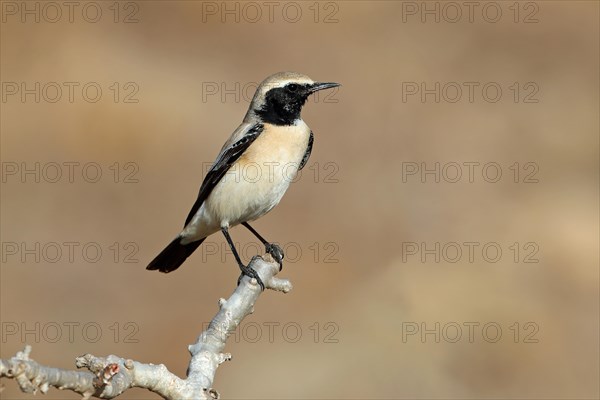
(108, 377)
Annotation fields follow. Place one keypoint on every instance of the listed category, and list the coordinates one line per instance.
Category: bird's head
(279, 98)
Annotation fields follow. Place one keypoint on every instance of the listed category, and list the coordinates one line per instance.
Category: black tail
(173, 255)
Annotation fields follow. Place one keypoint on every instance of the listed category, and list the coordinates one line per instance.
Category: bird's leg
(246, 270)
(271, 248)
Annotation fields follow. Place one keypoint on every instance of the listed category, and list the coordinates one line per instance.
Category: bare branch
(108, 377)
(207, 352)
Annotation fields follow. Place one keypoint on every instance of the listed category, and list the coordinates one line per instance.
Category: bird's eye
(292, 87)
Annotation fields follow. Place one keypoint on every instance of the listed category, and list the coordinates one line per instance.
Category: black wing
(222, 165)
(308, 151)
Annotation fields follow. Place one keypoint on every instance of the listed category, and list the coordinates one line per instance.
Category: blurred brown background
(355, 227)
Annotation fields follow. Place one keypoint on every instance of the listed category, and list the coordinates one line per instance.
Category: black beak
(322, 85)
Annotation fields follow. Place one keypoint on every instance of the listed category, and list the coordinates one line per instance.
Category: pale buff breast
(259, 179)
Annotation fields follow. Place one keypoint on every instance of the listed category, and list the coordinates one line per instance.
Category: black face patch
(283, 105)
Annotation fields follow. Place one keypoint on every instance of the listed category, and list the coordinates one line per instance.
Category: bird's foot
(276, 252)
(251, 273)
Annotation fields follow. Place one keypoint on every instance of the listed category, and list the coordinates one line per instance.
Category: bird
(273, 138)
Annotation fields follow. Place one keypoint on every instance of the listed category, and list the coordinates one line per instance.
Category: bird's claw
(276, 252)
(251, 273)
